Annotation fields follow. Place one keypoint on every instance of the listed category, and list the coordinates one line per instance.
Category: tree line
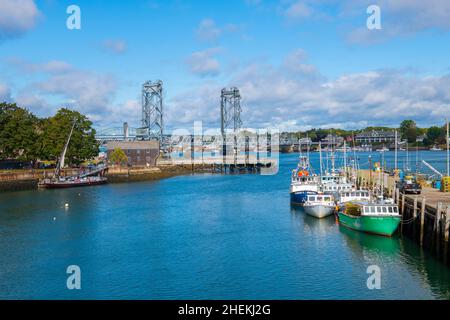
(408, 131)
(26, 137)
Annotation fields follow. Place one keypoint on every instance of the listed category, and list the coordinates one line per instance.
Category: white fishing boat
(319, 205)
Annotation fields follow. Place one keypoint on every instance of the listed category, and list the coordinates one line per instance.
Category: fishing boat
(303, 182)
(375, 218)
(319, 205)
(352, 196)
(90, 178)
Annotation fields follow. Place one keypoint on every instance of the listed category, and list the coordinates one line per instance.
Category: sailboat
(91, 178)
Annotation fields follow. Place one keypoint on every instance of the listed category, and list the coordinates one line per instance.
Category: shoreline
(20, 180)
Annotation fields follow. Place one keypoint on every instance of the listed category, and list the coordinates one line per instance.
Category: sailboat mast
(61, 161)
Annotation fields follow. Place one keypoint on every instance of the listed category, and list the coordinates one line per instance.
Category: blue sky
(299, 64)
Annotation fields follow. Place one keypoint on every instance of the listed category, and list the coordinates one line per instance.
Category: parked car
(408, 186)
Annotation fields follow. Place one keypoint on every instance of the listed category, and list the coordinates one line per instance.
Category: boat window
(396, 209)
(372, 209)
(385, 210)
(379, 209)
(319, 198)
(367, 209)
(390, 210)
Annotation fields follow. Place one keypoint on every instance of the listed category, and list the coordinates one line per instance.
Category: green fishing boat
(375, 218)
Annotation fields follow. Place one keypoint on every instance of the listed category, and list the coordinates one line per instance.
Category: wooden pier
(425, 217)
(225, 165)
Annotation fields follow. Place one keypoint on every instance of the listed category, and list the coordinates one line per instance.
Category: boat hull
(319, 211)
(300, 197)
(379, 225)
(65, 185)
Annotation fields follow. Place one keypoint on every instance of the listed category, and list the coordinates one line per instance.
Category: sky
(299, 64)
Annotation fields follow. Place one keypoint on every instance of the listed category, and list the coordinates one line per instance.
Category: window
(372, 209)
(385, 210)
(379, 209)
(390, 209)
(396, 209)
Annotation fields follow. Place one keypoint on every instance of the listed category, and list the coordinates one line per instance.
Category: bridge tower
(230, 112)
(152, 111)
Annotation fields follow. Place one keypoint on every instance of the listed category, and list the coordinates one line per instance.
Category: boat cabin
(337, 187)
(320, 198)
(372, 209)
(359, 195)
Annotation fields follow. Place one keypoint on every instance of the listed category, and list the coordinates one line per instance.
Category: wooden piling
(422, 220)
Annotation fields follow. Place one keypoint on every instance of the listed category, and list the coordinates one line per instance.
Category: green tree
(408, 130)
(434, 135)
(18, 133)
(118, 157)
(55, 131)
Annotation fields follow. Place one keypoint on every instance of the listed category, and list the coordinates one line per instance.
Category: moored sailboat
(91, 178)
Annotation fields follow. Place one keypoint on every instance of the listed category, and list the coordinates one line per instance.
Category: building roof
(133, 145)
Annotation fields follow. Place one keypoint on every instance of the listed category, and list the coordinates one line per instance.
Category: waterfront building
(332, 140)
(139, 153)
(375, 136)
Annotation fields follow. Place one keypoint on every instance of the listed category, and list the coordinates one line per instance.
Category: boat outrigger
(90, 178)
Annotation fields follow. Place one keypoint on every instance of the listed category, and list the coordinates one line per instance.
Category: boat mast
(345, 158)
(448, 148)
(396, 152)
(61, 160)
(320, 157)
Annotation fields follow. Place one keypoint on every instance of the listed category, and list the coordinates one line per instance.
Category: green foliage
(18, 133)
(435, 135)
(25, 137)
(118, 157)
(55, 131)
(409, 131)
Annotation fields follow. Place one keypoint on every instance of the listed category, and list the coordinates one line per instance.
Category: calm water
(199, 237)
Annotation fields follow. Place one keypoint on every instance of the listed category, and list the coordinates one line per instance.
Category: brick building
(139, 153)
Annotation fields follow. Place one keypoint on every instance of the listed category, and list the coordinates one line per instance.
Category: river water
(201, 237)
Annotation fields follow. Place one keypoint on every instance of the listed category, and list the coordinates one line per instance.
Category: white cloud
(52, 67)
(17, 17)
(209, 31)
(297, 10)
(60, 84)
(5, 93)
(204, 63)
(114, 46)
(277, 96)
